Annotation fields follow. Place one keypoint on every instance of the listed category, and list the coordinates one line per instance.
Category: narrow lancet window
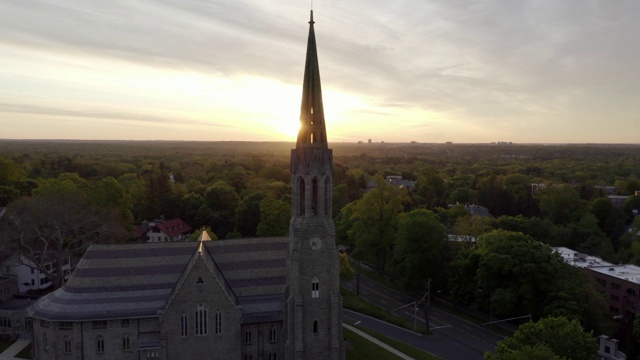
(218, 323)
(314, 197)
(327, 196)
(301, 200)
(184, 323)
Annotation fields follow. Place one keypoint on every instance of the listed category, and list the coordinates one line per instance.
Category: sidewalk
(373, 340)
(14, 349)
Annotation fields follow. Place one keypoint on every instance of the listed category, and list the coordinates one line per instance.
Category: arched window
(273, 334)
(218, 322)
(301, 193)
(201, 320)
(99, 345)
(313, 137)
(315, 327)
(66, 345)
(314, 196)
(45, 342)
(315, 288)
(327, 196)
(184, 325)
(126, 342)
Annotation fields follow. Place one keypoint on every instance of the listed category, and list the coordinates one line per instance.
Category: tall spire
(312, 131)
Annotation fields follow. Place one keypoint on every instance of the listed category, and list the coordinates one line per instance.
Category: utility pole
(358, 280)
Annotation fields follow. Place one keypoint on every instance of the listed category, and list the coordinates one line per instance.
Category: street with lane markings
(451, 338)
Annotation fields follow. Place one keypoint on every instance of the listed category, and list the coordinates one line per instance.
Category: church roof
(136, 280)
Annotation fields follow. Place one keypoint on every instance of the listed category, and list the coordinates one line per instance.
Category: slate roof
(136, 280)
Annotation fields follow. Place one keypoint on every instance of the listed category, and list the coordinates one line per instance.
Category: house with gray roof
(250, 299)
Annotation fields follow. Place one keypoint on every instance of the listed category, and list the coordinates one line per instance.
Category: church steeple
(312, 129)
(314, 304)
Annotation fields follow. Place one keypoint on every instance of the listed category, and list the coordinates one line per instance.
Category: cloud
(500, 63)
(104, 115)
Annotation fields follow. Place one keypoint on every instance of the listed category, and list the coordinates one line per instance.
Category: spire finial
(311, 19)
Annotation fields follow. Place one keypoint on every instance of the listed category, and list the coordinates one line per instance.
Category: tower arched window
(301, 194)
(315, 327)
(201, 320)
(315, 288)
(314, 196)
(126, 342)
(66, 345)
(327, 196)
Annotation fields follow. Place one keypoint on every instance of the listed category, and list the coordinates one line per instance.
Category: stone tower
(314, 304)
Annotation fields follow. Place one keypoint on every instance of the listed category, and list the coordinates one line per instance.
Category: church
(247, 299)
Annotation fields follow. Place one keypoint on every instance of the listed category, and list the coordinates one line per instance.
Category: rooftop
(136, 280)
(626, 272)
(579, 259)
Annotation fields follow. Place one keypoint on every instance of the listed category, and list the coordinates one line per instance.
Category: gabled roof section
(174, 227)
(137, 280)
(312, 131)
(118, 281)
(203, 255)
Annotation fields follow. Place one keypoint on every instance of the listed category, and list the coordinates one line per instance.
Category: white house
(29, 277)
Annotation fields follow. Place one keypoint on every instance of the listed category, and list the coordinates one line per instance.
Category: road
(452, 337)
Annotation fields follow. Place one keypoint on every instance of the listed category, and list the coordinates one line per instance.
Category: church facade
(249, 299)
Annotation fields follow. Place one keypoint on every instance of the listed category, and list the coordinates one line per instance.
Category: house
(608, 349)
(477, 210)
(29, 278)
(395, 180)
(163, 230)
(14, 319)
(250, 299)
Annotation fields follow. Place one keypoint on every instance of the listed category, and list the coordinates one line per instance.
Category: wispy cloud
(512, 65)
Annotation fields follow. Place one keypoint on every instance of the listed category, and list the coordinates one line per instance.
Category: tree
(346, 271)
(13, 181)
(431, 188)
(223, 201)
(375, 221)
(248, 214)
(274, 217)
(515, 273)
(420, 248)
(561, 204)
(50, 227)
(564, 338)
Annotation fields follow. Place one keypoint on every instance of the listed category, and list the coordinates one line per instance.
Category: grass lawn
(364, 349)
(4, 344)
(400, 346)
(25, 353)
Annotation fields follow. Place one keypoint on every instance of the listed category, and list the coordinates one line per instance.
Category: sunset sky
(466, 71)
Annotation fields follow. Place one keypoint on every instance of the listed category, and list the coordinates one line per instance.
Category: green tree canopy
(49, 227)
(557, 335)
(421, 251)
(375, 221)
(274, 217)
